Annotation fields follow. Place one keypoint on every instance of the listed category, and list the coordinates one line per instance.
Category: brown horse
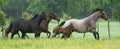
(65, 31)
(44, 24)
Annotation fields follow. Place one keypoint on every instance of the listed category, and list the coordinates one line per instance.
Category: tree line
(71, 8)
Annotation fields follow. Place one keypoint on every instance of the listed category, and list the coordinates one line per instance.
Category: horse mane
(62, 23)
(42, 13)
(97, 9)
(34, 17)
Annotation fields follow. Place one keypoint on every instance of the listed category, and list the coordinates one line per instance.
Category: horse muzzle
(106, 18)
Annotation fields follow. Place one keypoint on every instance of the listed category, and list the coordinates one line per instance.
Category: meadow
(75, 42)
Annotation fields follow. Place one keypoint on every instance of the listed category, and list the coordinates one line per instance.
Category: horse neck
(94, 16)
(48, 19)
(68, 27)
(37, 20)
(33, 17)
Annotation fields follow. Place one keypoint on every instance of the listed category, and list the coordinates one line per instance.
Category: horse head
(103, 15)
(52, 15)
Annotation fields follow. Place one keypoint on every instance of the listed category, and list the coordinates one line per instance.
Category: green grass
(72, 43)
(75, 42)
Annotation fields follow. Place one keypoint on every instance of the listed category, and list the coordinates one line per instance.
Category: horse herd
(39, 23)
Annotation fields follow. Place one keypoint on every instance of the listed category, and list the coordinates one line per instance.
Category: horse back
(79, 25)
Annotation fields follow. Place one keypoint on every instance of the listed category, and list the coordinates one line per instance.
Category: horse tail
(62, 23)
(7, 30)
(10, 27)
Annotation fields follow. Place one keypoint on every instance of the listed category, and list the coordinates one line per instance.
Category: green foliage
(15, 8)
(10, 19)
(26, 15)
(36, 6)
(116, 10)
(116, 14)
(66, 17)
(73, 8)
(2, 18)
(3, 3)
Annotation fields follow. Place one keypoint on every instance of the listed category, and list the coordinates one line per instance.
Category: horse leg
(37, 34)
(23, 35)
(96, 35)
(7, 31)
(27, 36)
(62, 36)
(12, 35)
(65, 36)
(54, 35)
(49, 34)
(18, 35)
(84, 35)
(68, 35)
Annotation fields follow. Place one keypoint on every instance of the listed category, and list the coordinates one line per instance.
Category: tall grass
(75, 42)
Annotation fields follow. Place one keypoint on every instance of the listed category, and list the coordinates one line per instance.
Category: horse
(6, 30)
(65, 31)
(26, 26)
(44, 24)
(87, 24)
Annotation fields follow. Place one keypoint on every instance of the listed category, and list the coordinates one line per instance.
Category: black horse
(26, 26)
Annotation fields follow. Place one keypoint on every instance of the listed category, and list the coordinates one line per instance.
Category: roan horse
(26, 26)
(44, 24)
(87, 24)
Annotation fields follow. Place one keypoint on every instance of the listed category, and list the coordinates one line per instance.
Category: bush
(10, 19)
(26, 15)
(116, 14)
(2, 18)
(65, 16)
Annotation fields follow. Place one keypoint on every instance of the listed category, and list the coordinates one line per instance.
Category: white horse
(87, 24)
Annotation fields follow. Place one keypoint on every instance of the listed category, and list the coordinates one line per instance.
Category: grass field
(75, 42)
